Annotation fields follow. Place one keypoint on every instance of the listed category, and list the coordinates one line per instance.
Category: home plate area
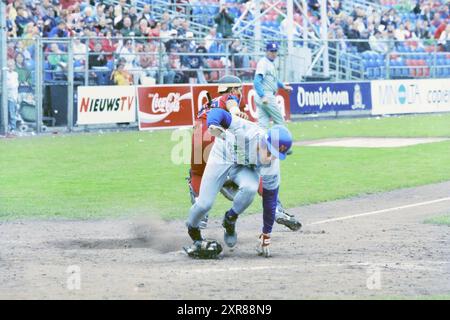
(368, 142)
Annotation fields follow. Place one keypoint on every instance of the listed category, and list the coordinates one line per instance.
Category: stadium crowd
(112, 57)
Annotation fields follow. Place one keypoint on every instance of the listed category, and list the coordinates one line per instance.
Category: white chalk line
(380, 211)
(413, 265)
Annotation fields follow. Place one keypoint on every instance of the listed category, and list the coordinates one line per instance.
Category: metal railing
(56, 67)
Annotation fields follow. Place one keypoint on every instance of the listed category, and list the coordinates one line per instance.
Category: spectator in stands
(165, 18)
(97, 59)
(437, 20)
(60, 31)
(127, 53)
(184, 28)
(80, 51)
(148, 61)
(146, 13)
(155, 28)
(422, 29)
(210, 38)
(401, 34)
(143, 30)
(24, 74)
(439, 30)
(165, 33)
(57, 58)
(127, 27)
(336, 7)
(23, 18)
(377, 43)
(132, 13)
(444, 39)
(224, 22)
(12, 82)
(120, 76)
(314, 5)
(20, 48)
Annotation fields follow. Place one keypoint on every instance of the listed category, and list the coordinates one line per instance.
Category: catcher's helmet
(228, 82)
(279, 141)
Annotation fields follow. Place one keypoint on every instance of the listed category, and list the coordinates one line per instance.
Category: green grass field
(114, 174)
(441, 220)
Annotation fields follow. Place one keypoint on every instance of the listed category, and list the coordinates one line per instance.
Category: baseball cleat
(205, 249)
(263, 246)
(286, 219)
(229, 235)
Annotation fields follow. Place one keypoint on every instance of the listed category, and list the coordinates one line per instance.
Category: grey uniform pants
(213, 179)
(268, 111)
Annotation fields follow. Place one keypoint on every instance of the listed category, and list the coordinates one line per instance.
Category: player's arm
(287, 88)
(257, 84)
(219, 120)
(232, 106)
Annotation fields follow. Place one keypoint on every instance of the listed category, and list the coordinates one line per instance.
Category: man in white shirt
(12, 82)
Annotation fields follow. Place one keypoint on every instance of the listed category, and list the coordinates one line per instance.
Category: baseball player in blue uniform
(242, 152)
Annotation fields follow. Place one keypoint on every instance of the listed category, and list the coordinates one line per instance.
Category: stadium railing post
(70, 90)
(3, 70)
(39, 82)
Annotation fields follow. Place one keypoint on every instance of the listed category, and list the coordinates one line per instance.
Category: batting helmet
(228, 82)
(279, 141)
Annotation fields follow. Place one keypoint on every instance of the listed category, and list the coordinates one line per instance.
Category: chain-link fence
(49, 70)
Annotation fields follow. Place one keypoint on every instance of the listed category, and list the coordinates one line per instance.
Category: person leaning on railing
(120, 76)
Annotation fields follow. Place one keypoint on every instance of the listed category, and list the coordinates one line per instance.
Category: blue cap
(279, 141)
(272, 46)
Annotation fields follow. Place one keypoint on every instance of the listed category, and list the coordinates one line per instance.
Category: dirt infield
(338, 254)
(368, 142)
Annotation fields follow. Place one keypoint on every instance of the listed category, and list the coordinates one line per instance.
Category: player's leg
(201, 142)
(212, 181)
(247, 180)
(284, 218)
(263, 114)
(274, 112)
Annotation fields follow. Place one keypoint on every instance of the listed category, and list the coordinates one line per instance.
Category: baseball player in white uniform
(266, 85)
(242, 152)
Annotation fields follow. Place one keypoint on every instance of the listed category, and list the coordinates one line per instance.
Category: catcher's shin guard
(263, 246)
(286, 219)
(205, 249)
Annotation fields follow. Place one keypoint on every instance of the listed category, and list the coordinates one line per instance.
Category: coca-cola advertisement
(247, 104)
(282, 97)
(199, 95)
(165, 106)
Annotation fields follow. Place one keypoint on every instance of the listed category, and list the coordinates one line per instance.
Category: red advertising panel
(164, 107)
(249, 99)
(199, 96)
